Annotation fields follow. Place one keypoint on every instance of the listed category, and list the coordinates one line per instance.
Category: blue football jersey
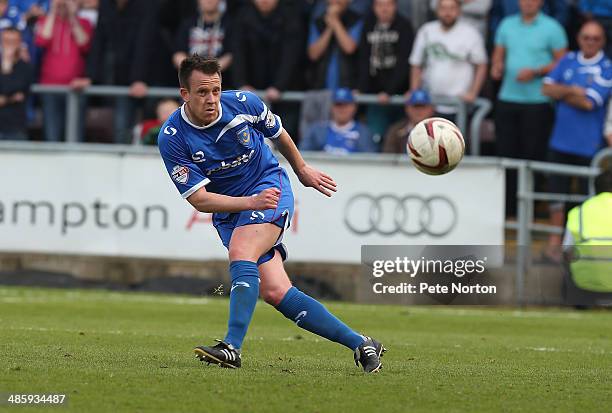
(577, 131)
(228, 156)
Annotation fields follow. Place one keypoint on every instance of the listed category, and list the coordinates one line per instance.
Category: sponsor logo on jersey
(180, 174)
(241, 96)
(244, 136)
(270, 120)
(242, 159)
(198, 157)
(169, 130)
(257, 215)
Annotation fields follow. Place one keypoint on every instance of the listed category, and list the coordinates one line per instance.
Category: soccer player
(213, 148)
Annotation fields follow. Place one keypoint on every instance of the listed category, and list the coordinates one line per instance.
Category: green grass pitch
(132, 352)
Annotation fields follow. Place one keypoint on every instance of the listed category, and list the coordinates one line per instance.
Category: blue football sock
(243, 297)
(311, 315)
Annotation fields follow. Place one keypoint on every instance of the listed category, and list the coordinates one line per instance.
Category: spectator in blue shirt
(600, 10)
(332, 45)
(557, 9)
(343, 134)
(10, 16)
(29, 12)
(527, 46)
(580, 84)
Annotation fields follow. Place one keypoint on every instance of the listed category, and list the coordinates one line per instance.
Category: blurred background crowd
(543, 63)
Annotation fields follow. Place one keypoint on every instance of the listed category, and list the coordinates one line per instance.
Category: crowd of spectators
(499, 49)
(546, 71)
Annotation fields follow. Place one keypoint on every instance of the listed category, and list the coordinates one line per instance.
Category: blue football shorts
(225, 223)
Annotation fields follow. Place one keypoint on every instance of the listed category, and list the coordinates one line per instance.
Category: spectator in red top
(65, 39)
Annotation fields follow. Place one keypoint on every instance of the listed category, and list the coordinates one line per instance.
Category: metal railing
(480, 108)
(526, 196)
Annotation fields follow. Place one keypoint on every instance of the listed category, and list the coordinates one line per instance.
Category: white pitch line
(91, 332)
(558, 350)
(105, 297)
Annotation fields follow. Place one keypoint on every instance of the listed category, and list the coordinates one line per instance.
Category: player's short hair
(603, 181)
(206, 65)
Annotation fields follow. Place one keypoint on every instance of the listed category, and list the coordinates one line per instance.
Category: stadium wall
(105, 216)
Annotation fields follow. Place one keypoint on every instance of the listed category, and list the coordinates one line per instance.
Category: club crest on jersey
(198, 157)
(244, 136)
(270, 120)
(180, 174)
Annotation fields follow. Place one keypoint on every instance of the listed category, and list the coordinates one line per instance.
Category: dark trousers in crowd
(521, 132)
(54, 117)
(15, 135)
(125, 118)
(562, 184)
(289, 112)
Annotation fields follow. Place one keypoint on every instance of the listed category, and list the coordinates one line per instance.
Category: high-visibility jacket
(591, 227)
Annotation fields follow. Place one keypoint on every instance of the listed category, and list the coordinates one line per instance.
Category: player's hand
(609, 139)
(266, 199)
(526, 75)
(312, 178)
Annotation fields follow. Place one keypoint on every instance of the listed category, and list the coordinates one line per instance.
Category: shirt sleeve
(417, 57)
(478, 54)
(262, 118)
(558, 38)
(556, 75)
(599, 90)
(355, 31)
(313, 34)
(500, 35)
(184, 173)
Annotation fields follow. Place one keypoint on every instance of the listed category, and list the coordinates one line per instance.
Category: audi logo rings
(411, 215)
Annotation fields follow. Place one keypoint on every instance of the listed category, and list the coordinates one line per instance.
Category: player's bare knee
(273, 295)
(241, 252)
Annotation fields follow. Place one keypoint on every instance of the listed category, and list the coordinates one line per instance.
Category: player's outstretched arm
(307, 175)
(205, 201)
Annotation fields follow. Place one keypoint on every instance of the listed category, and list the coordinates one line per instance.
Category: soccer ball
(435, 146)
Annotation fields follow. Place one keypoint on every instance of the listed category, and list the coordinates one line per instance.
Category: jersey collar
(346, 128)
(590, 61)
(186, 118)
